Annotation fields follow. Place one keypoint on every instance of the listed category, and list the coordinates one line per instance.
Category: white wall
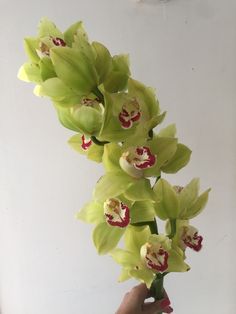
(184, 48)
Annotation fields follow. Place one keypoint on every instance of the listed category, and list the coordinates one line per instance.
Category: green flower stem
(157, 289)
(173, 228)
(96, 141)
(153, 226)
(100, 96)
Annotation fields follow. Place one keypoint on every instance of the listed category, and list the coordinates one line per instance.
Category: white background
(184, 48)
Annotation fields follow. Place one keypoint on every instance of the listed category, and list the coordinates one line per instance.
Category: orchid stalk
(115, 120)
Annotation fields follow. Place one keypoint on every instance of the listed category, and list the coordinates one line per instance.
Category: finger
(157, 306)
(139, 293)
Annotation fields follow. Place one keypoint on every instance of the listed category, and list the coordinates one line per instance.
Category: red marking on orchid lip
(128, 117)
(85, 143)
(148, 159)
(58, 42)
(194, 242)
(159, 265)
(120, 216)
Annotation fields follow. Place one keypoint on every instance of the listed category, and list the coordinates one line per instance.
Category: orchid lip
(85, 143)
(129, 114)
(191, 238)
(116, 213)
(156, 260)
(144, 158)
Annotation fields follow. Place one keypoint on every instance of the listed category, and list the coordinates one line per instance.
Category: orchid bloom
(179, 202)
(146, 255)
(186, 236)
(112, 216)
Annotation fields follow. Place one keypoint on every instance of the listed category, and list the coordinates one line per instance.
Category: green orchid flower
(130, 114)
(139, 161)
(112, 216)
(146, 255)
(174, 202)
(85, 146)
(186, 236)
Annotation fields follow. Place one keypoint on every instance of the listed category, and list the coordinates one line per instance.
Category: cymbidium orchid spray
(113, 117)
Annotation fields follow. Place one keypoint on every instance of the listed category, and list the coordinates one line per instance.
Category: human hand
(134, 302)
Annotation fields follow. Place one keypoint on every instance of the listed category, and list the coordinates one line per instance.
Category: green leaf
(103, 61)
(106, 237)
(167, 205)
(112, 184)
(198, 206)
(30, 72)
(92, 212)
(179, 160)
(142, 211)
(74, 69)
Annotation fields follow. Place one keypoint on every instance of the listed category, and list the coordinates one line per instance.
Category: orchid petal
(106, 237)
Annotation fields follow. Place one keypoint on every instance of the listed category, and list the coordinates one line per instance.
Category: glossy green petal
(46, 68)
(146, 96)
(111, 156)
(167, 205)
(188, 195)
(30, 46)
(125, 258)
(142, 211)
(30, 72)
(176, 262)
(71, 32)
(59, 92)
(169, 131)
(112, 130)
(106, 237)
(140, 190)
(143, 275)
(82, 44)
(179, 160)
(124, 275)
(48, 28)
(118, 77)
(88, 119)
(103, 61)
(94, 152)
(74, 69)
(197, 206)
(135, 237)
(92, 212)
(164, 148)
(66, 119)
(111, 185)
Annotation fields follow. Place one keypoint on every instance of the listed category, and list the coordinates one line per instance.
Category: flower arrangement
(113, 117)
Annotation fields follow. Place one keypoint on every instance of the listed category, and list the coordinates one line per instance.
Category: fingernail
(165, 303)
(169, 310)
